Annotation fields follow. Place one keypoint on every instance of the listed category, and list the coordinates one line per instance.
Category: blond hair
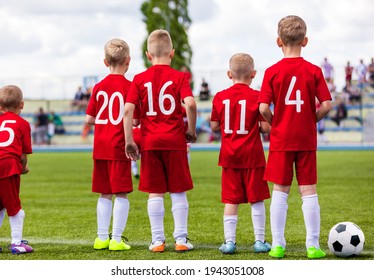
(292, 30)
(116, 51)
(11, 97)
(159, 43)
(241, 65)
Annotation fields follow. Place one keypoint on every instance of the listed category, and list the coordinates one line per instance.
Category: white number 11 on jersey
(298, 102)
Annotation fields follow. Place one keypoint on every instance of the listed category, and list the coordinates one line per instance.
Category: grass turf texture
(61, 210)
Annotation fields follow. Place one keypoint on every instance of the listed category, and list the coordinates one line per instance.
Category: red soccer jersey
(15, 140)
(107, 106)
(158, 91)
(292, 85)
(236, 109)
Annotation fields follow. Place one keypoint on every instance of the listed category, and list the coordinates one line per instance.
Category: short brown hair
(11, 97)
(241, 65)
(116, 51)
(159, 43)
(292, 30)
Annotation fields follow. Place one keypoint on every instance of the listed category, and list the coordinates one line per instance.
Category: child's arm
(265, 127)
(191, 118)
(266, 112)
(132, 151)
(25, 167)
(323, 110)
(215, 126)
(90, 119)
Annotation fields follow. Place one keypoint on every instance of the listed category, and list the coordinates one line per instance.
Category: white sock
(134, 168)
(229, 227)
(104, 214)
(120, 214)
(16, 226)
(278, 217)
(2, 215)
(258, 220)
(312, 219)
(156, 213)
(180, 214)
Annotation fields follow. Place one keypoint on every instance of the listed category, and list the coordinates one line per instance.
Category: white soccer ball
(346, 239)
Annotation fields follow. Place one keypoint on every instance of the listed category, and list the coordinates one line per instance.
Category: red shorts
(164, 171)
(279, 169)
(111, 176)
(244, 185)
(9, 194)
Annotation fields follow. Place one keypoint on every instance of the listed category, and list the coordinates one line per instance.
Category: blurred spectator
(57, 123)
(202, 125)
(361, 71)
(41, 125)
(371, 72)
(341, 112)
(77, 101)
(86, 97)
(348, 72)
(204, 90)
(327, 69)
(331, 86)
(353, 93)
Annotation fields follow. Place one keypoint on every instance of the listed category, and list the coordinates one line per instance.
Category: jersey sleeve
(266, 93)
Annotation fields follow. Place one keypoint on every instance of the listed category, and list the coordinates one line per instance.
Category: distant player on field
(164, 165)
(111, 170)
(292, 85)
(235, 113)
(15, 144)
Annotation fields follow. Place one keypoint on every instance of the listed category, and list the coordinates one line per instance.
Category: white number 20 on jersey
(298, 102)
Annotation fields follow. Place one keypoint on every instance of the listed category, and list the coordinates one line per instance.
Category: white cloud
(43, 38)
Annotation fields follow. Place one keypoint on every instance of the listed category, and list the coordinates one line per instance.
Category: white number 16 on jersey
(298, 102)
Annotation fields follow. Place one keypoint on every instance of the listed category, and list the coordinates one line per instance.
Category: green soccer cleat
(114, 245)
(314, 253)
(277, 252)
(100, 244)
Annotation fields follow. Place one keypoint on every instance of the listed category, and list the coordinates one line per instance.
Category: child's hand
(26, 169)
(191, 137)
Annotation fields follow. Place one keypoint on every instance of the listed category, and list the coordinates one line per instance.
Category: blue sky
(51, 39)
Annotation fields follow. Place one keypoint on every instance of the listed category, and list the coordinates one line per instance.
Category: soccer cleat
(314, 253)
(182, 245)
(277, 252)
(1, 249)
(22, 248)
(100, 244)
(261, 247)
(228, 248)
(114, 245)
(157, 246)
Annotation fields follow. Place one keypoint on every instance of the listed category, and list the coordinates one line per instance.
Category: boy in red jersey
(235, 113)
(292, 85)
(15, 144)
(164, 165)
(111, 170)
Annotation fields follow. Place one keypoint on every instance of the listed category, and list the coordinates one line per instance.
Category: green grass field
(61, 210)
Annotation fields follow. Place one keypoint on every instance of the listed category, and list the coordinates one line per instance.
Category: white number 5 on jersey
(9, 130)
(298, 102)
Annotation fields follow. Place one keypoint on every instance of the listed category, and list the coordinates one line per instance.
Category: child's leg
(120, 215)
(104, 214)
(258, 220)
(16, 226)
(278, 214)
(180, 214)
(156, 213)
(311, 212)
(2, 215)
(230, 221)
